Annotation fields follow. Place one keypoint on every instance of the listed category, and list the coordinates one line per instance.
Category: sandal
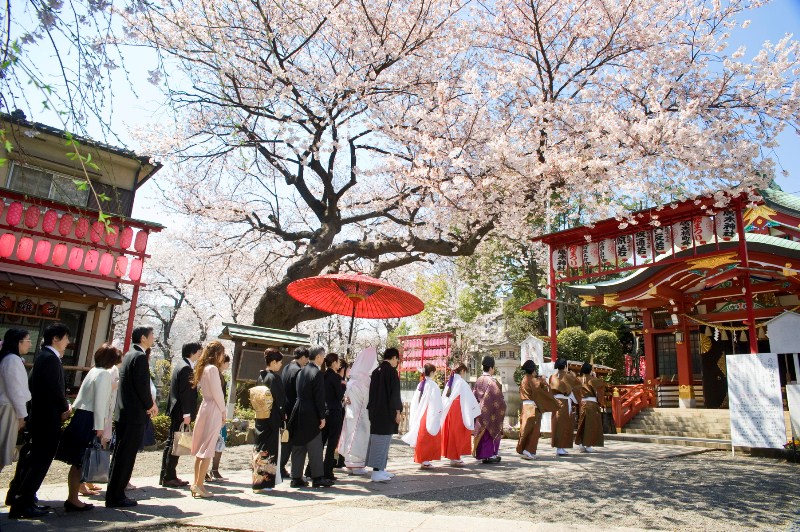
(84, 489)
(426, 466)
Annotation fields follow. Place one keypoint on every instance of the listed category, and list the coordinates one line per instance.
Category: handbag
(182, 443)
(261, 399)
(285, 436)
(96, 463)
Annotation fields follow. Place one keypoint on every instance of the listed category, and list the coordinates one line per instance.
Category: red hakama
(456, 438)
(428, 446)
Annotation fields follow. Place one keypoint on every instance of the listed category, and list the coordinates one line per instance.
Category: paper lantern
(48, 309)
(682, 233)
(111, 235)
(42, 251)
(575, 256)
(6, 304)
(25, 248)
(91, 260)
(605, 251)
(140, 244)
(726, 225)
(121, 266)
(65, 224)
(106, 263)
(623, 247)
(59, 254)
(50, 221)
(641, 243)
(591, 254)
(96, 233)
(14, 214)
(560, 260)
(662, 240)
(32, 216)
(26, 306)
(82, 228)
(7, 244)
(75, 258)
(702, 229)
(136, 270)
(125, 237)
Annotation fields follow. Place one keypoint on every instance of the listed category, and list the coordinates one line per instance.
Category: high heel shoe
(201, 493)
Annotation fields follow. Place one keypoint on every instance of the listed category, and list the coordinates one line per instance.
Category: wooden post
(131, 316)
(649, 347)
(236, 363)
(553, 308)
(685, 375)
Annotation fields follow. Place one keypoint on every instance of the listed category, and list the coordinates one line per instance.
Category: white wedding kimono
(354, 441)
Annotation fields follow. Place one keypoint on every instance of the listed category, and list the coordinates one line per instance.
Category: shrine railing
(630, 401)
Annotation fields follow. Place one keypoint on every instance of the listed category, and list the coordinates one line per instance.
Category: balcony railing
(49, 235)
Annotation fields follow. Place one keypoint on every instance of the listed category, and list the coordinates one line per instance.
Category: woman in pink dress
(211, 415)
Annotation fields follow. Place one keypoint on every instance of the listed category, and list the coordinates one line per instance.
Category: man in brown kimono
(536, 399)
(590, 422)
(562, 423)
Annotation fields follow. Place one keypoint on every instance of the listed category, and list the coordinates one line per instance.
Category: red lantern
(42, 251)
(141, 241)
(7, 243)
(6, 304)
(14, 214)
(59, 254)
(106, 263)
(50, 221)
(125, 238)
(111, 235)
(48, 309)
(26, 306)
(136, 270)
(92, 258)
(65, 225)
(32, 216)
(24, 248)
(98, 228)
(121, 266)
(75, 258)
(82, 228)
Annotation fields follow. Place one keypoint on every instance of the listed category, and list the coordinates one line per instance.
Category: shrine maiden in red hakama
(489, 425)
(459, 410)
(425, 423)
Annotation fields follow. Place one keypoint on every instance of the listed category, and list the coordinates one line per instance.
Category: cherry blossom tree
(371, 135)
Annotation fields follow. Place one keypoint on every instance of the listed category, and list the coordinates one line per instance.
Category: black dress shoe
(31, 512)
(69, 507)
(284, 474)
(322, 483)
(298, 483)
(122, 503)
(42, 507)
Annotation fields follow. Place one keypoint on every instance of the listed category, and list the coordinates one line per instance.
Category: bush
(241, 412)
(573, 343)
(606, 349)
(161, 425)
(519, 374)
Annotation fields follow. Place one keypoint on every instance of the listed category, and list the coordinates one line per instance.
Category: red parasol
(355, 295)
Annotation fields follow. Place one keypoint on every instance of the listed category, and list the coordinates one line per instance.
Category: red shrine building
(58, 260)
(698, 279)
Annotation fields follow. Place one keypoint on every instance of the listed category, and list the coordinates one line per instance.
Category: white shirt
(14, 384)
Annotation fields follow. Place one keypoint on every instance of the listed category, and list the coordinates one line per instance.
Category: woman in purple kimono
(489, 425)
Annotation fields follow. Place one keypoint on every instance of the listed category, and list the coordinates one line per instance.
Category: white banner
(545, 370)
(793, 395)
(756, 406)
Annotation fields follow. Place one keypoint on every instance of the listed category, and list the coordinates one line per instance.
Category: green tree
(401, 330)
(573, 343)
(606, 349)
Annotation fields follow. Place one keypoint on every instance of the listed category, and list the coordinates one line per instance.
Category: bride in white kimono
(354, 440)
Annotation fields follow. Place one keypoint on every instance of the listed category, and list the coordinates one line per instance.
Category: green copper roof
(781, 201)
(263, 335)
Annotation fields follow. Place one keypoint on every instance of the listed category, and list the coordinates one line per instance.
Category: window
(45, 184)
(666, 357)
(502, 354)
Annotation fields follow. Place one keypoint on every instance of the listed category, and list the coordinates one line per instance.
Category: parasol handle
(352, 320)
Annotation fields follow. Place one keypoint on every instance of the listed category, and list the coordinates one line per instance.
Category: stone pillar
(685, 379)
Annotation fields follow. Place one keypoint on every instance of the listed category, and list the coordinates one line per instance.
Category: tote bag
(182, 443)
(96, 463)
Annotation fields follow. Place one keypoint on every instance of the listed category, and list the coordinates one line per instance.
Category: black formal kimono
(268, 433)
(334, 395)
(134, 400)
(304, 423)
(48, 404)
(289, 378)
(182, 401)
(384, 400)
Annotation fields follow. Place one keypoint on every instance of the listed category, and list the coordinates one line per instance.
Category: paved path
(486, 498)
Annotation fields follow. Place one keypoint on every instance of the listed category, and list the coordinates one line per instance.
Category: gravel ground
(705, 491)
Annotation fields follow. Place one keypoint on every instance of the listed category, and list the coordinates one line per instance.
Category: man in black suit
(135, 403)
(306, 423)
(182, 409)
(289, 378)
(48, 410)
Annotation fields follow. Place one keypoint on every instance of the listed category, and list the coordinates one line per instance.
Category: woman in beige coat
(210, 416)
